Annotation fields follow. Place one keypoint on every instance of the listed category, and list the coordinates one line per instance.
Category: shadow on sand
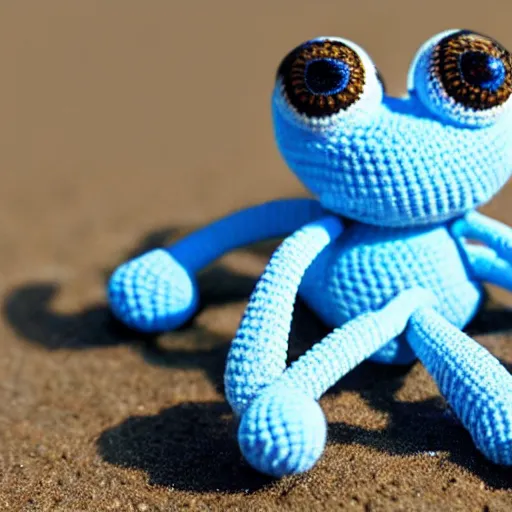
(193, 445)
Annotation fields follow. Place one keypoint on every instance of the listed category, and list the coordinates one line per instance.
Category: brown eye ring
(474, 70)
(322, 77)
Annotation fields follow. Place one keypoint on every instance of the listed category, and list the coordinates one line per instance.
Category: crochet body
(382, 251)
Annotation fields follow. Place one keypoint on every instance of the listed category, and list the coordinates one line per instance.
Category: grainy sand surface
(124, 124)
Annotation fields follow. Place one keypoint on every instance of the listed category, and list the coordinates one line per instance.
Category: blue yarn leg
(475, 384)
(157, 291)
(283, 431)
(487, 266)
(258, 352)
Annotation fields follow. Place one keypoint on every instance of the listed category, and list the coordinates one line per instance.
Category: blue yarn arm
(489, 231)
(487, 266)
(258, 352)
(261, 222)
(474, 383)
(157, 291)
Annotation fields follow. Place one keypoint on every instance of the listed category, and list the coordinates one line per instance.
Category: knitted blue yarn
(155, 292)
(282, 433)
(397, 278)
(258, 352)
(488, 266)
(363, 270)
(283, 429)
(476, 385)
(404, 168)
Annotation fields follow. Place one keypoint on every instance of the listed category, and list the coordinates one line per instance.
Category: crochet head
(442, 150)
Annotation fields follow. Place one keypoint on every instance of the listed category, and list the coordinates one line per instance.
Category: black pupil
(482, 70)
(325, 76)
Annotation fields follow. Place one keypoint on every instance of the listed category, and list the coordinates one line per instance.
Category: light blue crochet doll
(381, 254)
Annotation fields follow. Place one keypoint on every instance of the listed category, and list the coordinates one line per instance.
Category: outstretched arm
(489, 231)
(157, 291)
(269, 220)
(493, 262)
(487, 266)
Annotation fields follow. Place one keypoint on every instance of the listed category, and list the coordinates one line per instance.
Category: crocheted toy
(382, 254)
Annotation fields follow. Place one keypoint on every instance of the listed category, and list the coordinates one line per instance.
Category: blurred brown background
(123, 123)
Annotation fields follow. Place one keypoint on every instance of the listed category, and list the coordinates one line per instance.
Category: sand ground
(124, 124)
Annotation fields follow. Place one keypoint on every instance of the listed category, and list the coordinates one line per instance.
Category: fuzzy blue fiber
(403, 168)
(258, 352)
(476, 385)
(286, 405)
(382, 254)
(282, 433)
(363, 270)
(152, 293)
(156, 292)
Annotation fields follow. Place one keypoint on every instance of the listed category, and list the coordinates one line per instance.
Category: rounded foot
(152, 293)
(282, 433)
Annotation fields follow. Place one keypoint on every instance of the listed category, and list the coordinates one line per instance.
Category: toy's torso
(368, 265)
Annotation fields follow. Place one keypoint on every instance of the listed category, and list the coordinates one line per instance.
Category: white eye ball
(326, 78)
(464, 77)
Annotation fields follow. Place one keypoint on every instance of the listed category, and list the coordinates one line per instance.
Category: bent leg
(258, 352)
(283, 430)
(475, 384)
(157, 291)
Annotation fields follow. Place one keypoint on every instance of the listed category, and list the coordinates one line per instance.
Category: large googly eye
(464, 77)
(324, 79)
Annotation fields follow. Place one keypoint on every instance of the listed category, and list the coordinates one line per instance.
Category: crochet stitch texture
(381, 253)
